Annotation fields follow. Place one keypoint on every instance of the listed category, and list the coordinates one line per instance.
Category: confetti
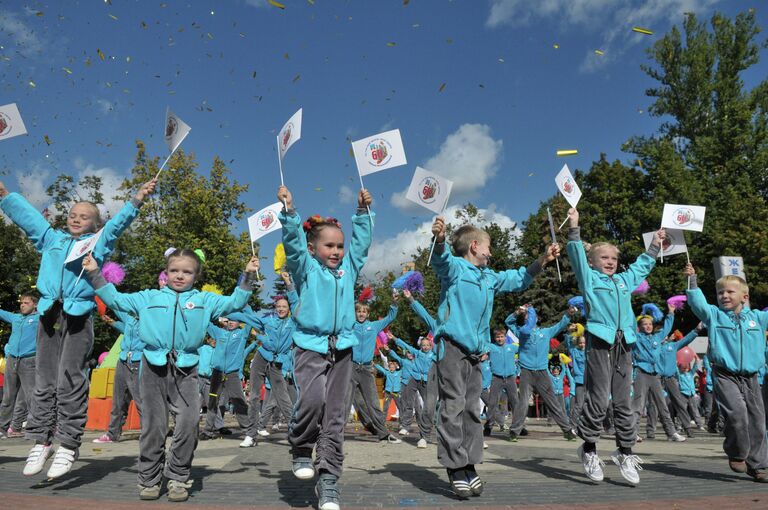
(254, 74)
(276, 4)
(318, 189)
(32, 84)
(67, 70)
(568, 152)
(296, 78)
(101, 55)
(501, 60)
(391, 44)
(556, 46)
(39, 14)
(641, 30)
(442, 87)
(113, 17)
(599, 52)
(47, 140)
(311, 2)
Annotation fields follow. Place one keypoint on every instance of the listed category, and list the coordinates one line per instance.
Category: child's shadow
(669, 469)
(88, 471)
(421, 478)
(537, 466)
(200, 473)
(293, 491)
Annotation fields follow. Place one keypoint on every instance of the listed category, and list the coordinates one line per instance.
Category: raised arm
(29, 219)
(380, 324)
(407, 347)
(423, 314)
(696, 299)
(669, 321)
(362, 232)
(530, 323)
(8, 316)
(380, 369)
(554, 330)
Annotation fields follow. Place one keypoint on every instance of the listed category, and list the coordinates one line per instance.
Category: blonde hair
(601, 246)
(464, 236)
(362, 306)
(97, 221)
(729, 278)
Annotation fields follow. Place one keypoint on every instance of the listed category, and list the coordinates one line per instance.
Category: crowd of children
(184, 350)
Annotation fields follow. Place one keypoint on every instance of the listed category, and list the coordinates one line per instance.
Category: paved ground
(540, 471)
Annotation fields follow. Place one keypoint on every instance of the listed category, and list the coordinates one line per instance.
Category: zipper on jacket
(173, 338)
(63, 268)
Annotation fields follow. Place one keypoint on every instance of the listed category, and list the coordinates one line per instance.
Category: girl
(172, 324)
(325, 281)
(65, 334)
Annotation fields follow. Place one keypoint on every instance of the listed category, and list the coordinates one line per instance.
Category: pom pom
(381, 339)
(162, 278)
(641, 289)
(113, 273)
(279, 258)
(366, 296)
(200, 254)
(168, 252)
(101, 307)
(677, 302)
(578, 302)
(564, 359)
(653, 311)
(412, 281)
(103, 356)
(212, 288)
(579, 331)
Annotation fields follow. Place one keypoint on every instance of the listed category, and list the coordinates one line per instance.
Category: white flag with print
(673, 244)
(265, 221)
(379, 152)
(11, 123)
(429, 190)
(683, 217)
(83, 246)
(290, 134)
(567, 186)
(175, 130)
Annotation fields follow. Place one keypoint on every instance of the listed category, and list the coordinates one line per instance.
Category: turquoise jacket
(426, 318)
(608, 300)
(422, 361)
(287, 360)
(172, 322)
(557, 380)
(278, 332)
(666, 363)
(366, 332)
(55, 281)
(466, 298)
(709, 381)
(534, 342)
(205, 354)
(485, 370)
(502, 360)
(406, 367)
(230, 351)
(22, 343)
(579, 358)
(736, 341)
(686, 382)
(131, 345)
(326, 297)
(393, 379)
(646, 350)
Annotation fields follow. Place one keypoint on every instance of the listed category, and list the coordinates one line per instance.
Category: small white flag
(567, 186)
(683, 217)
(265, 221)
(290, 133)
(11, 123)
(379, 152)
(83, 246)
(429, 190)
(673, 244)
(175, 130)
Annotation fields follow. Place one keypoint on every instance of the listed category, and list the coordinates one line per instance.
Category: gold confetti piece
(67, 70)
(276, 4)
(449, 41)
(101, 55)
(32, 84)
(296, 78)
(568, 152)
(442, 87)
(599, 52)
(318, 189)
(286, 56)
(113, 17)
(641, 30)
(39, 14)
(530, 174)
(311, 2)
(210, 35)
(47, 140)
(128, 59)
(556, 46)
(391, 44)
(351, 154)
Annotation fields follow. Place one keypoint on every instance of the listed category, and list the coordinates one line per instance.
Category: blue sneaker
(327, 492)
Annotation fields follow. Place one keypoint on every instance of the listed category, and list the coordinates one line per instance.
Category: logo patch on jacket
(189, 305)
(752, 324)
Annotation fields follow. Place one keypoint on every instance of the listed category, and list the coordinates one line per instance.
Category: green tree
(18, 270)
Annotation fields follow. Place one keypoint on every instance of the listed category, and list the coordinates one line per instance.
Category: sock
(589, 447)
(625, 451)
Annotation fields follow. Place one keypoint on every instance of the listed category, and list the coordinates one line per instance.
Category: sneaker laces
(594, 462)
(174, 484)
(632, 461)
(329, 489)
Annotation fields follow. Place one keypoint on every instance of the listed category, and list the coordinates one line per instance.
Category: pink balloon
(102, 357)
(381, 338)
(685, 356)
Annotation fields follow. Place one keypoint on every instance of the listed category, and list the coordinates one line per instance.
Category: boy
(424, 363)
(574, 341)
(391, 386)
(19, 359)
(736, 352)
(504, 372)
(610, 334)
(467, 288)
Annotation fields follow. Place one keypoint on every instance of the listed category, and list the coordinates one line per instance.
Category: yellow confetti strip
(67, 70)
(32, 84)
(47, 140)
(641, 30)
(599, 52)
(568, 152)
(113, 17)
(276, 4)
(39, 14)
(101, 55)
(442, 87)
(556, 46)
(391, 44)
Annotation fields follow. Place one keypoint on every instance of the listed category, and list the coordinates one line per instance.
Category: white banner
(429, 190)
(11, 123)
(265, 221)
(379, 152)
(673, 244)
(175, 130)
(82, 247)
(683, 217)
(290, 134)
(567, 186)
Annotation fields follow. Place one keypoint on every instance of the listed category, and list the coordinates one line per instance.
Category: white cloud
(24, 38)
(469, 157)
(257, 3)
(32, 186)
(347, 195)
(390, 254)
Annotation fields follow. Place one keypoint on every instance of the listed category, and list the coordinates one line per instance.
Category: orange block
(392, 410)
(132, 422)
(99, 410)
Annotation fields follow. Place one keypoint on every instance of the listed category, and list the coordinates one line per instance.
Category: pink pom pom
(162, 278)
(677, 302)
(102, 356)
(113, 273)
(643, 288)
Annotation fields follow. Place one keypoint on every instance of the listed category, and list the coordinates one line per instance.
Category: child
(688, 388)
(65, 335)
(324, 336)
(666, 368)
(504, 372)
(558, 373)
(205, 370)
(271, 409)
(172, 323)
(736, 352)
(391, 386)
(467, 288)
(407, 385)
(19, 381)
(610, 334)
(126, 381)
(534, 360)
(575, 342)
(645, 353)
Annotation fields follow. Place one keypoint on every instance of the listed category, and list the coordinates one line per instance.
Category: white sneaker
(422, 443)
(392, 439)
(62, 462)
(247, 442)
(485, 445)
(676, 438)
(276, 427)
(402, 432)
(36, 459)
(629, 465)
(593, 466)
(262, 433)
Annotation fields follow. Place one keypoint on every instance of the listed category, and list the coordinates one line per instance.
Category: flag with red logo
(379, 152)
(83, 246)
(290, 134)
(429, 190)
(673, 244)
(11, 123)
(176, 130)
(567, 186)
(265, 221)
(683, 217)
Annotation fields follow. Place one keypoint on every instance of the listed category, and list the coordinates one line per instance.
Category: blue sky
(511, 98)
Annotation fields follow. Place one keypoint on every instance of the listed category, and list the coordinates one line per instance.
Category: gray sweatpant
(59, 408)
(646, 385)
(540, 381)
(498, 385)
(261, 369)
(229, 385)
(741, 404)
(363, 394)
(389, 397)
(425, 415)
(608, 372)
(204, 383)
(408, 397)
(167, 389)
(126, 387)
(271, 408)
(18, 386)
(322, 381)
(678, 405)
(577, 402)
(459, 429)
